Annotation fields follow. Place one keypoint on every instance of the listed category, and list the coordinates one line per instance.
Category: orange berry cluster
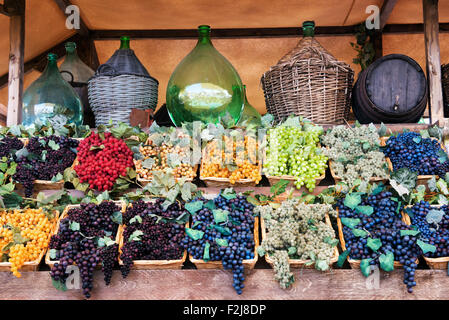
(231, 158)
(35, 229)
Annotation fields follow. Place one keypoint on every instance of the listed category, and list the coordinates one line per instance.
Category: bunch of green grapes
(294, 151)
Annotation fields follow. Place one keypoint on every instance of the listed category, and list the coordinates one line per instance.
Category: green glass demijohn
(204, 86)
(51, 98)
(249, 114)
(73, 69)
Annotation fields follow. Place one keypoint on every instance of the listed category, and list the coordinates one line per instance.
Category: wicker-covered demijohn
(309, 82)
(120, 85)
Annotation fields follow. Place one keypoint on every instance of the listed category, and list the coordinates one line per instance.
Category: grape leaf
(352, 200)
(373, 244)
(260, 251)
(22, 153)
(74, 226)
(382, 130)
(221, 242)
(417, 139)
(409, 232)
(432, 184)
(54, 145)
(365, 267)
(331, 241)
(52, 253)
(223, 230)
(350, 222)
(359, 232)
(366, 210)
(137, 219)
(442, 186)
(58, 177)
(135, 236)
(206, 255)
(59, 285)
(228, 194)
(279, 187)
(404, 177)
(342, 257)
(386, 261)
(424, 134)
(442, 200)
(446, 177)
(426, 247)
(220, 215)
(321, 265)
(173, 160)
(291, 251)
(210, 205)
(194, 206)
(442, 156)
(194, 234)
(117, 217)
(434, 216)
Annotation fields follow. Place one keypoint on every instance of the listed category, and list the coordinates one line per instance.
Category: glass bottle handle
(69, 73)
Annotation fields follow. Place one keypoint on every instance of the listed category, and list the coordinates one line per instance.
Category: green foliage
(363, 46)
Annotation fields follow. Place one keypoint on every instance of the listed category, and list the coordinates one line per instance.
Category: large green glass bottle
(249, 114)
(204, 86)
(51, 98)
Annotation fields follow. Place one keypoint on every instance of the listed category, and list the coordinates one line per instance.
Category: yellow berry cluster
(34, 227)
(159, 154)
(240, 153)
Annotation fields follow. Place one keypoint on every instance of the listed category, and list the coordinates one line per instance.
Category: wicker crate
(32, 265)
(422, 179)
(48, 260)
(247, 264)
(297, 263)
(355, 264)
(433, 263)
(309, 82)
(150, 264)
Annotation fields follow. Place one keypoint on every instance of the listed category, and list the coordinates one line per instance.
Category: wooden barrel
(393, 89)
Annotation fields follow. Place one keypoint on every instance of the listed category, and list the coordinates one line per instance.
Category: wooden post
(16, 62)
(432, 45)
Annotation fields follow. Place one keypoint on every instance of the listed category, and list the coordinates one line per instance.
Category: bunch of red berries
(101, 162)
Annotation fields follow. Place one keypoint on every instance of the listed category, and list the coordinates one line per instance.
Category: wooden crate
(433, 263)
(48, 260)
(337, 179)
(355, 264)
(275, 179)
(297, 263)
(150, 264)
(32, 265)
(422, 179)
(144, 182)
(247, 264)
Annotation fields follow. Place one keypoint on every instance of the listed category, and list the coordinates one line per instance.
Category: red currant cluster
(101, 162)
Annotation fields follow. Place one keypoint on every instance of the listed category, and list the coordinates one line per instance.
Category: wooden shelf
(217, 285)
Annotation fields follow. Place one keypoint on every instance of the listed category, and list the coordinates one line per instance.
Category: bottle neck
(204, 38)
(71, 55)
(308, 32)
(124, 43)
(51, 69)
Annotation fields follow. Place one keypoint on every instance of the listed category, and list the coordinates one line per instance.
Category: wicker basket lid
(310, 52)
(122, 62)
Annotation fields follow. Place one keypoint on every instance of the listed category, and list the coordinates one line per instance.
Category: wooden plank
(385, 12)
(433, 64)
(216, 285)
(63, 4)
(16, 66)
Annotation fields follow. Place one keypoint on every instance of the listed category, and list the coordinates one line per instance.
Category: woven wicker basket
(48, 260)
(309, 82)
(120, 85)
(296, 263)
(355, 264)
(433, 263)
(32, 265)
(247, 264)
(421, 179)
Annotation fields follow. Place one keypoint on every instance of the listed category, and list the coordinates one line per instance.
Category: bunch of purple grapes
(45, 158)
(76, 243)
(8, 145)
(160, 237)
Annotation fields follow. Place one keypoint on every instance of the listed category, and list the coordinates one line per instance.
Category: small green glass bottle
(204, 86)
(249, 114)
(308, 29)
(51, 98)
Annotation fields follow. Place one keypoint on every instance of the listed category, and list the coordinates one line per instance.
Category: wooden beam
(16, 64)
(385, 11)
(432, 47)
(252, 32)
(63, 4)
(376, 39)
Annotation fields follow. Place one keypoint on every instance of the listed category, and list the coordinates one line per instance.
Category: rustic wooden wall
(251, 57)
